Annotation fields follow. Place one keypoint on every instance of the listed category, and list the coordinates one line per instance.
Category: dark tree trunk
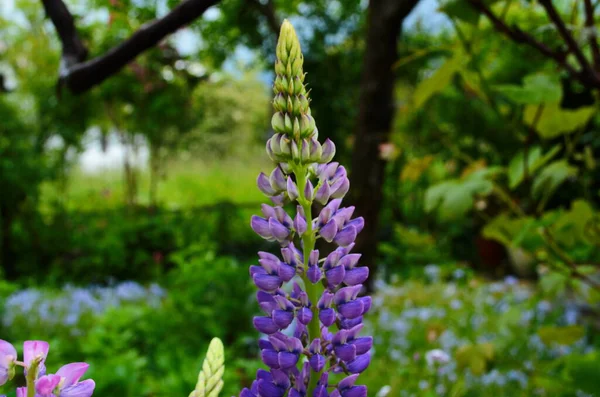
(376, 113)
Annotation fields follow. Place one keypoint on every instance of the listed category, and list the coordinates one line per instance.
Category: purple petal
(72, 372)
(355, 391)
(350, 260)
(363, 345)
(352, 309)
(309, 191)
(323, 193)
(247, 393)
(281, 379)
(317, 362)
(359, 364)
(347, 382)
(329, 231)
(340, 188)
(335, 275)
(300, 224)
(346, 236)
(267, 282)
(265, 325)
(286, 272)
(278, 231)
(314, 274)
(346, 323)
(264, 185)
(277, 180)
(270, 358)
(346, 352)
(269, 389)
(267, 211)
(292, 189)
(261, 227)
(358, 223)
(327, 316)
(313, 259)
(287, 359)
(355, 276)
(81, 389)
(278, 199)
(366, 301)
(34, 349)
(305, 315)
(346, 294)
(282, 318)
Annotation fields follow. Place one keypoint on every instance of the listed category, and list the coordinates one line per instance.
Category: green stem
(31, 376)
(312, 290)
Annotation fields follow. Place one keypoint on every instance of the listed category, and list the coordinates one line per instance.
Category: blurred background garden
(128, 164)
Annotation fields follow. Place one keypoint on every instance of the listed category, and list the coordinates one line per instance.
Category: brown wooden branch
(521, 37)
(592, 33)
(80, 76)
(568, 38)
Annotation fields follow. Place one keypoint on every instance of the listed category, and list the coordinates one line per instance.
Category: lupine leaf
(210, 379)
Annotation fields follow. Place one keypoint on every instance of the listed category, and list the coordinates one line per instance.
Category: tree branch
(519, 36)
(81, 76)
(568, 38)
(74, 51)
(268, 11)
(592, 33)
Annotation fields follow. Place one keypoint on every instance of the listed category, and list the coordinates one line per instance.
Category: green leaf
(535, 159)
(438, 81)
(561, 335)
(555, 121)
(536, 89)
(210, 379)
(554, 283)
(461, 10)
(454, 198)
(509, 231)
(570, 226)
(551, 177)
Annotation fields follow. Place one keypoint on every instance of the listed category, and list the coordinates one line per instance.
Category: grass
(186, 184)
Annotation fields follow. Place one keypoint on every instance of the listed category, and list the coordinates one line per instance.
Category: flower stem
(312, 290)
(31, 376)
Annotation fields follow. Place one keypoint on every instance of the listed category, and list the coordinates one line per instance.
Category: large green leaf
(535, 159)
(555, 121)
(536, 89)
(461, 10)
(439, 80)
(454, 198)
(511, 232)
(570, 227)
(551, 177)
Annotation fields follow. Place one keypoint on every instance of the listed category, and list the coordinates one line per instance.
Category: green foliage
(551, 177)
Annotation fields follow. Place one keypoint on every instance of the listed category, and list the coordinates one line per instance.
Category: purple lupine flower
(313, 328)
(65, 383)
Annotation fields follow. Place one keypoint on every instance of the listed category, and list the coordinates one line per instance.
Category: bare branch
(81, 76)
(568, 38)
(74, 51)
(519, 36)
(592, 33)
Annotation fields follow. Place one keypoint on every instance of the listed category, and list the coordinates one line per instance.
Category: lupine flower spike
(312, 325)
(210, 379)
(65, 383)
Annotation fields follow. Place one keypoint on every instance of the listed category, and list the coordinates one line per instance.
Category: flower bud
(305, 152)
(292, 189)
(279, 103)
(328, 151)
(289, 105)
(297, 86)
(279, 67)
(284, 146)
(315, 150)
(288, 124)
(322, 195)
(295, 151)
(278, 122)
(296, 131)
(308, 191)
(307, 125)
(277, 180)
(264, 185)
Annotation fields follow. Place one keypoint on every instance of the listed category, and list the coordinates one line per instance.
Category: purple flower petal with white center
(350, 260)
(346, 236)
(71, 373)
(292, 189)
(346, 294)
(265, 325)
(363, 345)
(33, 349)
(286, 272)
(261, 227)
(343, 215)
(283, 217)
(356, 276)
(287, 359)
(282, 318)
(324, 216)
(329, 231)
(269, 389)
(264, 185)
(346, 323)
(346, 352)
(352, 309)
